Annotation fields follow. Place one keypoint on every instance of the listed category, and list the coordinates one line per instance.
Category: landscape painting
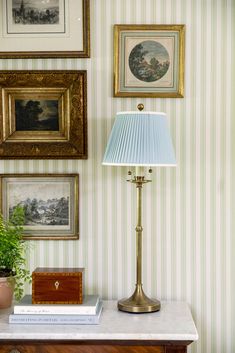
(44, 211)
(49, 203)
(45, 29)
(36, 16)
(35, 11)
(43, 114)
(149, 61)
(37, 115)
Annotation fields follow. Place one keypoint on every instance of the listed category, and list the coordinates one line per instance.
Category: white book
(88, 307)
(56, 319)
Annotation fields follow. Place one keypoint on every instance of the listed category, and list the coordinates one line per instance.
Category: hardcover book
(88, 307)
(56, 319)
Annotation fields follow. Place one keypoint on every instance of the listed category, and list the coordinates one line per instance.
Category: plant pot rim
(6, 278)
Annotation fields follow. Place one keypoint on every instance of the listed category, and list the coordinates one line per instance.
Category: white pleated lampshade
(140, 139)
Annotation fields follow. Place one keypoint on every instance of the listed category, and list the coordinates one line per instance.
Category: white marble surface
(172, 322)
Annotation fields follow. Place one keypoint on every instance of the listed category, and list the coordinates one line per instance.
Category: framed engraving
(49, 201)
(43, 114)
(149, 60)
(45, 28)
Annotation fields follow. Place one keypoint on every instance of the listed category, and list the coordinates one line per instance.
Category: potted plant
(13, 272)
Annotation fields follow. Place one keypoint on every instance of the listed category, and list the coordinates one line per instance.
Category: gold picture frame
(41, 196)
(149, 61)
(43, 114)
(60, 30)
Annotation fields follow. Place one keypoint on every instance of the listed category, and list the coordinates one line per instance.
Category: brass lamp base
(139, 302)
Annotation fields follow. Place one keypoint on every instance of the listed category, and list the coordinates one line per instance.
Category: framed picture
(50, 203)
(149, 60)
(45, 29)
(43, 114)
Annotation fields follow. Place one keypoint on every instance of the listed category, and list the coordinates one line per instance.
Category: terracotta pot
(7, 285)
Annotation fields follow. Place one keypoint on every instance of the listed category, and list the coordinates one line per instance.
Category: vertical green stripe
(183, 175)
(224, 92)
(103, 205)
(232, 43)
(202, 211)
(213, 173)
(93, 122)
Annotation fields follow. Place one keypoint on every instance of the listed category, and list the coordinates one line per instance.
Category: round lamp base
(139, 303)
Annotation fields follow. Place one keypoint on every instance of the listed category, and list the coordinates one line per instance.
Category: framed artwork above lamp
(149, 61)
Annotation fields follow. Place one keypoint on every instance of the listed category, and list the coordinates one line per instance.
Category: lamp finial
(140, 106)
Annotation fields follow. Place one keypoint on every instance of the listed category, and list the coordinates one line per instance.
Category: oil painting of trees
(33, 115)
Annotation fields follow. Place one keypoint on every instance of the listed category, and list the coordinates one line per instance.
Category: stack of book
(87, 313)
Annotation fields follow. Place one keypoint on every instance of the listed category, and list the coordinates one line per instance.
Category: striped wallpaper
(188, 210)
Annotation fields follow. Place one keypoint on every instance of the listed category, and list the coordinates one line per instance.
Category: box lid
(59, 269)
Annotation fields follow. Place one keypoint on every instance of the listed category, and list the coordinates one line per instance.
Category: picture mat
(150, 86)
(166, 80)
(68, 41)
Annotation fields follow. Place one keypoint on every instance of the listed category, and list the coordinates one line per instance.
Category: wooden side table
(170, 330)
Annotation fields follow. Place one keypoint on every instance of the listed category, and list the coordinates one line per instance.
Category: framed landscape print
(43, 114)
(44, 28)
(149, 60)
(49, 201)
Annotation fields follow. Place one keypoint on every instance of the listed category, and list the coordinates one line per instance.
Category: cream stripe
(212, 299)
(232, 149)
(188, 142)
(218, 178)
(208, 176)
(228, 260)
(198, 166)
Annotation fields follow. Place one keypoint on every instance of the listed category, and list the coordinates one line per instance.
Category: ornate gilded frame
(70, 89)
(45, 191)
(48, 45)
(126, 39)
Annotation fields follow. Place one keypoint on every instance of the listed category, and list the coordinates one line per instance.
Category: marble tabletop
(173, 322)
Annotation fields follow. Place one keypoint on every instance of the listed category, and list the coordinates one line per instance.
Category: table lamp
(139, 139)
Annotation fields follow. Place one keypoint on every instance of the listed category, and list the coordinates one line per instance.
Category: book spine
(55, 320)
(53, 309)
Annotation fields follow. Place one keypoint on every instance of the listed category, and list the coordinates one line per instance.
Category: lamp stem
(139, 302)
(139, 232)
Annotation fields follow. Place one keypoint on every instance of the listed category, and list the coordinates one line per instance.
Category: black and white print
(35, 12)
(35, 16)
(45, 204)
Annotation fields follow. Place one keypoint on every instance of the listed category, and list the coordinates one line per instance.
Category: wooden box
(57, 285)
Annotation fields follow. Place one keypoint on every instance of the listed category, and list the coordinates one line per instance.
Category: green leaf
(13, 249)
